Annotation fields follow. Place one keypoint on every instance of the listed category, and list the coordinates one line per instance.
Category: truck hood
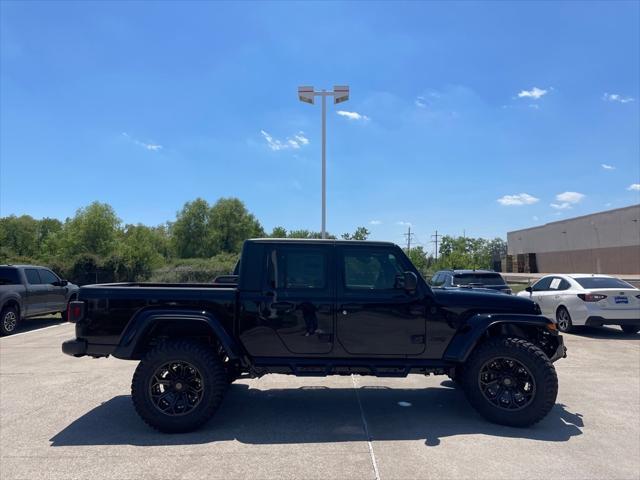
(460, 300)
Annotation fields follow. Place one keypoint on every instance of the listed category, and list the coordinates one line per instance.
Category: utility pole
(436, 242)
(409, 235)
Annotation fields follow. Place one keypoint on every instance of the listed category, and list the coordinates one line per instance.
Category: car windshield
(478, 279)
(602, 282)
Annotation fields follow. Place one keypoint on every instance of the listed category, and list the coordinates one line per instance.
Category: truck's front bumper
(561, 351)
(75, 347)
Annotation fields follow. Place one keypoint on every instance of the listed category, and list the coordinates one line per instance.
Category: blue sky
(471, 117)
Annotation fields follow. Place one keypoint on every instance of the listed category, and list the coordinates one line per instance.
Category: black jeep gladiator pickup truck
(317, 307)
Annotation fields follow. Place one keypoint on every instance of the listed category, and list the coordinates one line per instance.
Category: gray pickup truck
(29, 291)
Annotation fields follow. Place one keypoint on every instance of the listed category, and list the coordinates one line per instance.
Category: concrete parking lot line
(4, 339)
(366, 429)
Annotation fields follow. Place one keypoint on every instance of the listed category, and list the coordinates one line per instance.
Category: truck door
(300, 296)
(375, 315)
(37, 293)
(57, 294)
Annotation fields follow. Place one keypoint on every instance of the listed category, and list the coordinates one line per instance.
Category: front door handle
(284, 307)
(350, 307)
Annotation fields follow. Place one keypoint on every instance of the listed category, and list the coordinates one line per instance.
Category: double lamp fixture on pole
(340, 94)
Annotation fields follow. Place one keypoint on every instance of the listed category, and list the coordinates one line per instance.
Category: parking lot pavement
(72, 418)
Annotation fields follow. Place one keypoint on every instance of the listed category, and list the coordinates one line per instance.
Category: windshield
(478, 279)
(602, 282)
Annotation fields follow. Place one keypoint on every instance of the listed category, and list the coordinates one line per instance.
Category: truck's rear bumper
(75, 347)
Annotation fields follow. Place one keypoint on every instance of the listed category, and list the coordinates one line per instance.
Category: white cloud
(421, 102)
(567, 200)
(634, 187)
(375, 222)
(535, 93)
(352, 115)
(570, 197)
(607, 167)
(406, 224)
(153, 147)
(616, 97)
(518, 199)
(298, 140)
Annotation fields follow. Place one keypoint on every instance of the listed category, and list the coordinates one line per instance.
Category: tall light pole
(340, 94)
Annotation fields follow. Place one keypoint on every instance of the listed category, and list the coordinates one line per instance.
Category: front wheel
(178, 386)
(630, 329)
(510, 381)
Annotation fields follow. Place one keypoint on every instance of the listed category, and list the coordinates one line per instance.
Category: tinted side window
(564, 285)
(9, 276)
(32, 276)
(542, 284)
(371, 270)
(290, 269)
(46, 276)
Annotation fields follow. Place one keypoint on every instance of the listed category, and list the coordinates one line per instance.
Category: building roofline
(637, 205)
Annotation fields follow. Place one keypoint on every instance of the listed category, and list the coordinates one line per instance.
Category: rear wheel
(510, 381)
(565, 325)
(630, 329)
(9, 320)
(178, 386)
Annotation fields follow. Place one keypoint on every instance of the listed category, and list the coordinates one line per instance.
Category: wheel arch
(483, 326)
(151, 325)
(12, 301)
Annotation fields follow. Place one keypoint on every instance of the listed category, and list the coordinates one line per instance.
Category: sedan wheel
(564, 320)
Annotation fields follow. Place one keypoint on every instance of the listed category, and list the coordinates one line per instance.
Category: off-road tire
(9, 320)
(533, 359)
(210, 369)
(630, 329)
(565, 324)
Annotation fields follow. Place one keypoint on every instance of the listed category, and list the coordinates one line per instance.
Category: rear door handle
(283, 306)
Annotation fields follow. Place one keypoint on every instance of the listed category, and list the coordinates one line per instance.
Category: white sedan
(583, 299)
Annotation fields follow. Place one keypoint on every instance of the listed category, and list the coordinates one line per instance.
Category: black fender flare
(467, 338)
(144, 320)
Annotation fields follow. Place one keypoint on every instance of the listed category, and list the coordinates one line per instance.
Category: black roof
(317, 241)
(467, 271)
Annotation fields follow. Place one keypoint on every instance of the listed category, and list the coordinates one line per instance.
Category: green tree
(361, 233)
(419, 258)
(19, 236)
(93, 229)
(230, 225)
(190, 231)
(278, 232)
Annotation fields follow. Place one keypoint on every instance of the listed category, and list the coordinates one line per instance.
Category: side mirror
(528, 289)
(410, 281)
(61, 283)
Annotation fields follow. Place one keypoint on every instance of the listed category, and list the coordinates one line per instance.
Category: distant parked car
(29, 291)
(485, 279)
(583, 299)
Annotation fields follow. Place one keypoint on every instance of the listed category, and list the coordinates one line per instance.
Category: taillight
(75, 311)
(591, 297)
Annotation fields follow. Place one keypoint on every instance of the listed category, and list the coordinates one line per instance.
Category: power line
(409, 236)
(436, 242)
